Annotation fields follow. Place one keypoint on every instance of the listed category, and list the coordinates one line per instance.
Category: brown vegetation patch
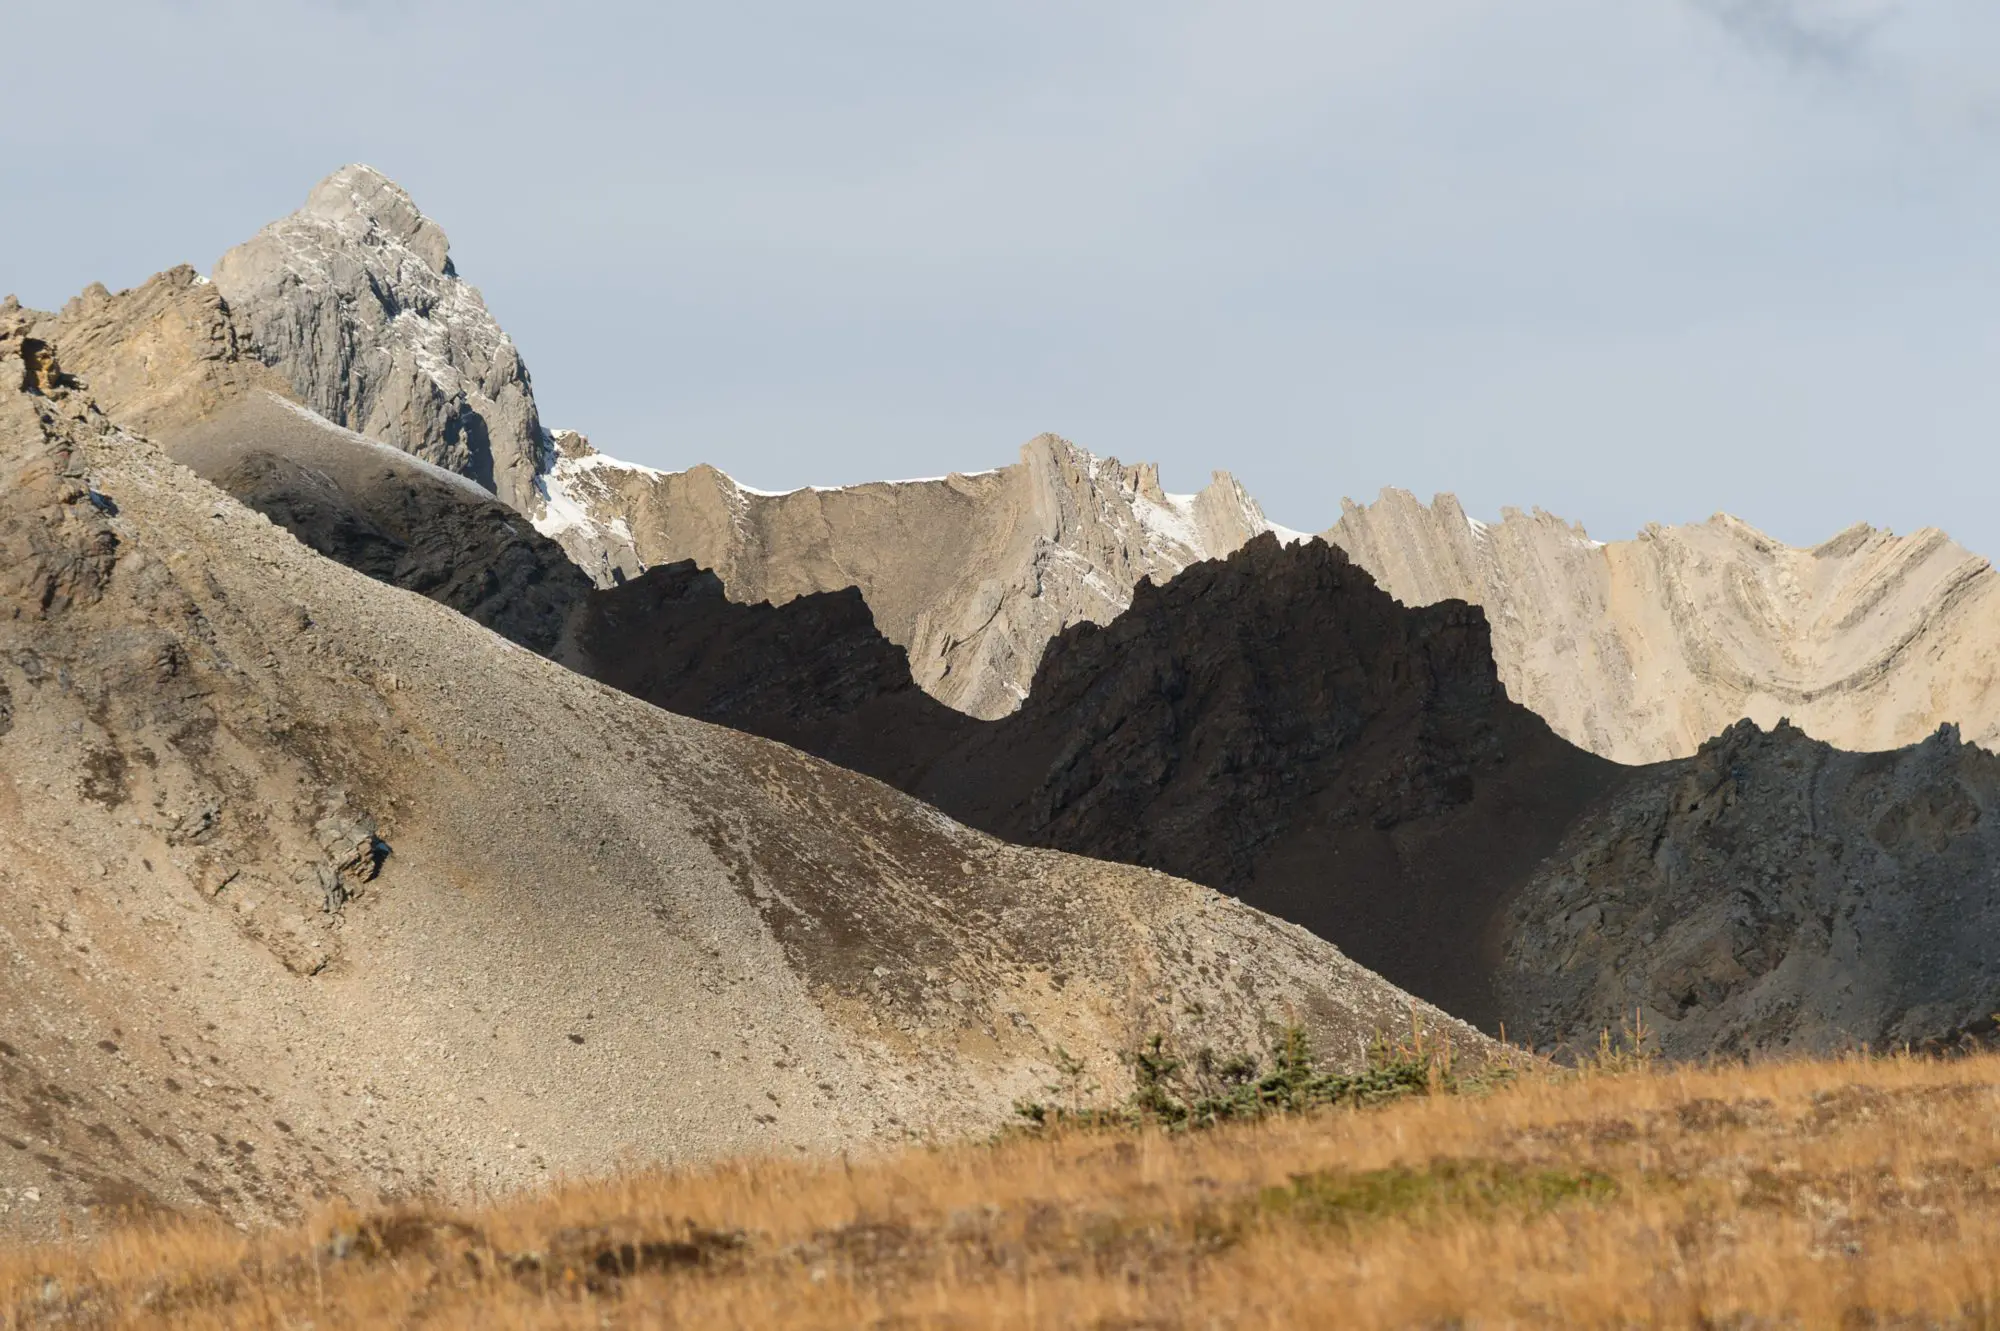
(1809, 1194)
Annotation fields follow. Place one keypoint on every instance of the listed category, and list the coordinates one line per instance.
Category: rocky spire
(353, 299)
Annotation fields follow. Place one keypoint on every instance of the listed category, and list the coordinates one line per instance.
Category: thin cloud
(1824, 33)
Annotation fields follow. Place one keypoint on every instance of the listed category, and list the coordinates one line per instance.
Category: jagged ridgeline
(1637, 650)
(1054, 653)
(1643, 649)
(313, 887)
(1276, 726)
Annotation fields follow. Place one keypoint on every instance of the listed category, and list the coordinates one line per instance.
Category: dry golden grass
(1856, 1192)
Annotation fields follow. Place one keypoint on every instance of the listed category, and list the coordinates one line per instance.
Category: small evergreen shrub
(1181, 1093)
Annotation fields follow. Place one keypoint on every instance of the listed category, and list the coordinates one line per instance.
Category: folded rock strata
(1642, 649)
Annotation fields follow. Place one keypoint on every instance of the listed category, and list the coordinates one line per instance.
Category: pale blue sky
(1627, 260)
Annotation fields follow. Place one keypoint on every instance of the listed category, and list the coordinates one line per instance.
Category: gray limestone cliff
(353, 300)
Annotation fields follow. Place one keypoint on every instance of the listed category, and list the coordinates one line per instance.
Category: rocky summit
(354, 302)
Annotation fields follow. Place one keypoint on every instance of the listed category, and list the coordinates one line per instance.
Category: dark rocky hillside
(386, 515)
(1271, 724)
(1276, 726)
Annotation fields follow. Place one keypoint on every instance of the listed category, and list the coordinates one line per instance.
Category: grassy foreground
(1843, 1193)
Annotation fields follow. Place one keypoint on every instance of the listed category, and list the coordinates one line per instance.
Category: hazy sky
(1628, 260)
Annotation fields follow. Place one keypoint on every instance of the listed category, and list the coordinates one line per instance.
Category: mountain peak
(353, 300)
(359, 200)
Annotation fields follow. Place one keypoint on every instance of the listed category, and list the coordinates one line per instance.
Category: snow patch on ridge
(562, 511)
(1172, 521)
(594, 461)
(449, 477)
(1285, 535)
(859, 485)
(575, 488)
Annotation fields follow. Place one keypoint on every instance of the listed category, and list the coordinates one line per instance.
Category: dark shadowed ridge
(1271, 724)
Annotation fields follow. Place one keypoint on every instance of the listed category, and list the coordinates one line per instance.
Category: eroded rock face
(970, 574)
(1640, 650)
(56, 547)
(354, 302)
(157, 356)
(1772, 893)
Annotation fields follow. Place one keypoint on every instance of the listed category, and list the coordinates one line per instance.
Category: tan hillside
(1850, 1193)
(310, 887)
(1639, 650)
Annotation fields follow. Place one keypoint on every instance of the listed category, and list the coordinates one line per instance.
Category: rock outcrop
(1771, 893)
(1641, 650)
(310, 887)
(159, 355)
(354, 302)
(166, 358)
(971, 574)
